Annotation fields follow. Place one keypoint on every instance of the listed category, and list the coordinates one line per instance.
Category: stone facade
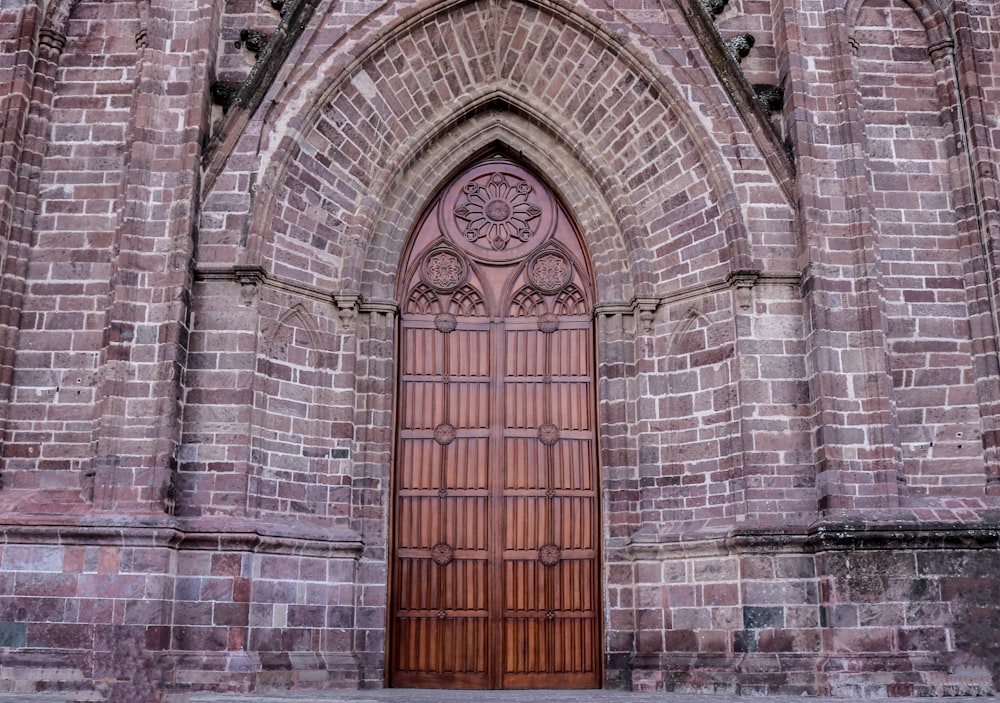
(792, 209)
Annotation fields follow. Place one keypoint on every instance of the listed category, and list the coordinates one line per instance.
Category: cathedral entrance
(495, 576)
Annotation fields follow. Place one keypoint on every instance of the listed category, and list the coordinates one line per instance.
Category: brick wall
(797, 346)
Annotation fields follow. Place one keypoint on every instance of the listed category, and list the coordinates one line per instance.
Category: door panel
(495, 570)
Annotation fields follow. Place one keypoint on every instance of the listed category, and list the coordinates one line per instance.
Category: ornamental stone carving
(445, 322)
(548, 323)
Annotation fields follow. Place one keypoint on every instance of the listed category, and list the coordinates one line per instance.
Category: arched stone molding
(687, 88)
(394, 147)
(612, 233)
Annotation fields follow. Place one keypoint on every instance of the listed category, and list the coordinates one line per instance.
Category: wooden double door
(495, 575)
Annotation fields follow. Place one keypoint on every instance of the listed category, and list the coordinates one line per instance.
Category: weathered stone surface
(797, 385)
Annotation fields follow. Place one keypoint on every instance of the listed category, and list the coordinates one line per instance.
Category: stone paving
(439, 696)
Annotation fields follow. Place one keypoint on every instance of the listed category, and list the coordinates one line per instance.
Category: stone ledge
(901, 529)
(211, 533)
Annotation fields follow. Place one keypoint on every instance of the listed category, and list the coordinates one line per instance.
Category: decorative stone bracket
(645, 311)
(743, 282)
(249, 278)
(347, 304)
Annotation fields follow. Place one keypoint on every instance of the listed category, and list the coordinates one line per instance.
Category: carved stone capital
(941, 50)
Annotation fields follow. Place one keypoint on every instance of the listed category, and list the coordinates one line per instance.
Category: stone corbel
(249, 278)
(743, 282)
(645, 311)
(347, 305)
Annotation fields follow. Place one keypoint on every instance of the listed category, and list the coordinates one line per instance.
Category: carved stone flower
(497, 211)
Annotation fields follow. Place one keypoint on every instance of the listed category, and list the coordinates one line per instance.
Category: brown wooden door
(495, 578)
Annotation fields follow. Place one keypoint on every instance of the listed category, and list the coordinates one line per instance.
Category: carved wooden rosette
(549, 272)
(549, 554)
(445, 322)
(442, 554)
(444, 270)
(444, 434)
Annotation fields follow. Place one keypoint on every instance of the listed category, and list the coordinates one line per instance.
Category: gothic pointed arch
(290, 435)
(495, 500)
(366, 147)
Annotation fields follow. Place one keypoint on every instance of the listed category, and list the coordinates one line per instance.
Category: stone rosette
(445, 322)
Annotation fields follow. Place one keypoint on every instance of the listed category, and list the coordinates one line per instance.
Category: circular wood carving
(496, 210)
(442, 554)
(444, 433)
(548, 323)
(445, 322)
(549, 554)
(548, 434)
(550, 272)
(444, 270)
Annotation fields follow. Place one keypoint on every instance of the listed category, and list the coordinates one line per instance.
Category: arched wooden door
(495, 578)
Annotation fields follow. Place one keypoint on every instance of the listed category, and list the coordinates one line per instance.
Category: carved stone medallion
(550, 272)
(549, 554)
(442, 554)
(445, 322)
(444, 433)
(444, 270)
(548, 434)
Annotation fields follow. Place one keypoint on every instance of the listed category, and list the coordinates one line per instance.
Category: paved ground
(434, 696)
(426, 696)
